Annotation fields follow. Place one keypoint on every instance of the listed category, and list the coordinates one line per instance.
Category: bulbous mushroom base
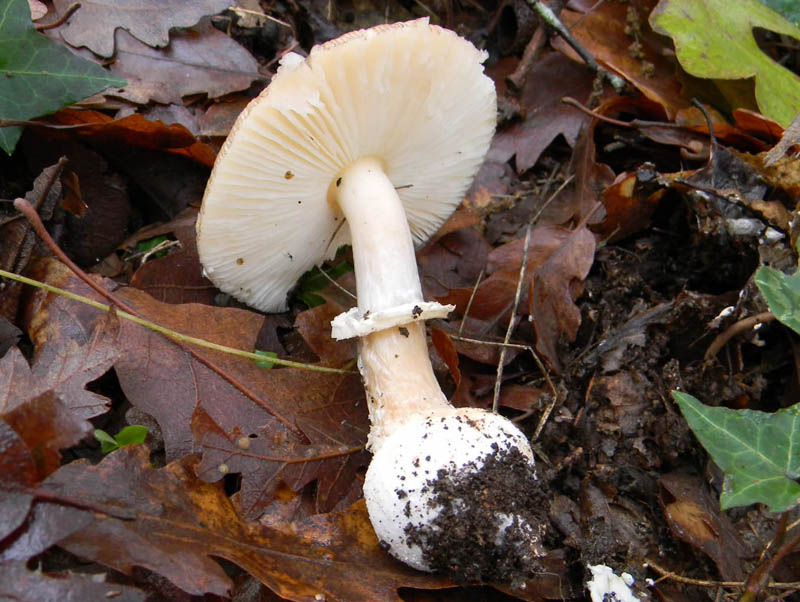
(455, 492)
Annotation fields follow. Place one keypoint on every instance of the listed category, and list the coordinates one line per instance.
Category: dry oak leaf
(319, 415)
(182, 523)
(61, 368)
(200, 60)
(94, 24)
(550, 79)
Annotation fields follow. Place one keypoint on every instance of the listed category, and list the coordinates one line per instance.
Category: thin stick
(549, 17)
(737, 328)
(469, 303)
(667, 574)
(175, 336)
(512, 320)
(61, 20)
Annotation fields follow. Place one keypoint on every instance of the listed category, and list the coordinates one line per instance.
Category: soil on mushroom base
(464, 542)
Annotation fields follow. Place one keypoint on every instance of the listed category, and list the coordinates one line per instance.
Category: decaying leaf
(183, 523)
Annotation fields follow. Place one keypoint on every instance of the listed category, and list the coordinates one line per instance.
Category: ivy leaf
(759, 452)
(714, 40)
(39, 76)
(782, 293)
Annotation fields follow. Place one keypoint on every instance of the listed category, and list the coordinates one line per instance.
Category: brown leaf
(550, 79)
(269, 456)
(619, 37)
(160, 378)
(102, 130)
(629, 206)
(694, 517)
(19, 583)
(182, 522)
(94, 25)
(17, 239)
(62, 367)
(447, 351)
(178, 277)
(557, 283)
(200, 60)
(314, 325)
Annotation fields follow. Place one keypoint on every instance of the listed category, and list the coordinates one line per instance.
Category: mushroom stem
(383, 249)
(394, 362)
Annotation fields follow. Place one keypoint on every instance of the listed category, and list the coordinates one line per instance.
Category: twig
(171, 334)
(734, 329)
(549, 17)
(469, 303)
(61, 20)
(512, 320)
(529, 55)
(667, 574)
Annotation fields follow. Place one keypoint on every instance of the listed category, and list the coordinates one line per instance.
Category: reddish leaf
(182, 522)
(619, 37)
(629, 207)
(136, 131)
(447, 351)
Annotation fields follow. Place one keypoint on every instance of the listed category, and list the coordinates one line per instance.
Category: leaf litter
(263, 468)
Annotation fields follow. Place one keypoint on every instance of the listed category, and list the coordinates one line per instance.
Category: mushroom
(373, 140)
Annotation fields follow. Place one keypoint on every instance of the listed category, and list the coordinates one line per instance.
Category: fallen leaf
(182, 522)
(62, 367)
(301, 408)
(558, 282)
(550, 79)
(19, 583)
(94, 24)
(619, 37)
(693, 516)
(200, 60)
(702, 32)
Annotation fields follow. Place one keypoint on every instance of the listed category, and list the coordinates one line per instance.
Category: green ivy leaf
(37, 75)
(714, 40)
(130, 435)
(782, 293)
(788, 8)
(759, 452)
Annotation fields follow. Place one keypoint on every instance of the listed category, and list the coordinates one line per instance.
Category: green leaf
(37, 75)
(130, 435)
(265, 364)
(782, 293)
(758, 452)
(714, 40)
(316, 280)
(788, 8)
(107, 442)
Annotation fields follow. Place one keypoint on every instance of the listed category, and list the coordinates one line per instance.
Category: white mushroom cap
(411, 94)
